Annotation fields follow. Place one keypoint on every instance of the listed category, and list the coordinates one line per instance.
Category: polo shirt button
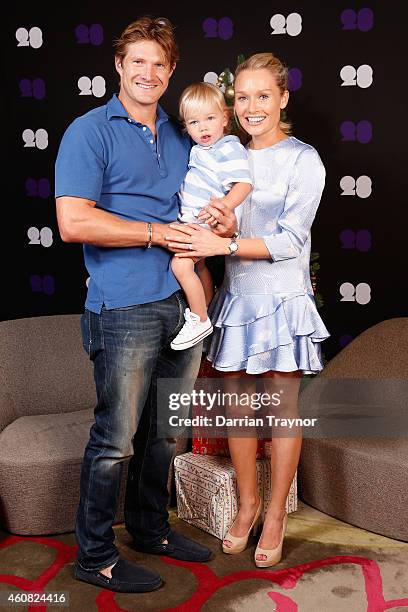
(151, 141)
(144, 128)
(129, 119)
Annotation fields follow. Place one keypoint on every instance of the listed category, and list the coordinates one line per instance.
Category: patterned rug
(327, 566)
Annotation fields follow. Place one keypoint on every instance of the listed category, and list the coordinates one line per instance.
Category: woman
(264, 315)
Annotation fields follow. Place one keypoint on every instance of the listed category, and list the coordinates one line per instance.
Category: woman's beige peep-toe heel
(274, 555)
(238, 544)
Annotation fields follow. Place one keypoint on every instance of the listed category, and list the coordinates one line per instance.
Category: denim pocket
(126, 308)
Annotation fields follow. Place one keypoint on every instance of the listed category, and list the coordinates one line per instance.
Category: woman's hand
(196, 241)
(220, 217)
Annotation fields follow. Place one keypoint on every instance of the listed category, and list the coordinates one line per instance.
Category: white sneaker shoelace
(191, 321)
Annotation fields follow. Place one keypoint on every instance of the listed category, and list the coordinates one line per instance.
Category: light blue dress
(264, 314)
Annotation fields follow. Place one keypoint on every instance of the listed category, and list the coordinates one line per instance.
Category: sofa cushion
(45, 438)
(40, 465)
(361, 481)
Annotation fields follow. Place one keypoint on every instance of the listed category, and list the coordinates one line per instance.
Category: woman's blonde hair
(270, 62)
(200, 96)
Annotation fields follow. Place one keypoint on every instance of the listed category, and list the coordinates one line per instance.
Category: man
(118, 171)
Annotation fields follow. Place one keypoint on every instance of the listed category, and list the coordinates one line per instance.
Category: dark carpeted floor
(327, 566)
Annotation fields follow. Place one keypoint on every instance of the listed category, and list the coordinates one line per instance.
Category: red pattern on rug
(207, 581)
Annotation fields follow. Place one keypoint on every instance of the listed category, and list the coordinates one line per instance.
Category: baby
(218, 167)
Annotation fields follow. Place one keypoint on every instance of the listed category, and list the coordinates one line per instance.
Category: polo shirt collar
(115, 108)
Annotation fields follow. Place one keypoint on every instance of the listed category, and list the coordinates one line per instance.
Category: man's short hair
(158, 29)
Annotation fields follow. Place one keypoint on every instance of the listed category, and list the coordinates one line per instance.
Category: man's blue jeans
(130, 351)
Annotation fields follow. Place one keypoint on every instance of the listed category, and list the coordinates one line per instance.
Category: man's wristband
(149, 235)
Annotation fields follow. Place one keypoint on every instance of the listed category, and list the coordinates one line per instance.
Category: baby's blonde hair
(199, 96)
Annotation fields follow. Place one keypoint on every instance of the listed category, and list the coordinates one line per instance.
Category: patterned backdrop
(348, 99)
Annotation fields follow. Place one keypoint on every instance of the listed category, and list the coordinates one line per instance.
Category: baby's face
(207, 126)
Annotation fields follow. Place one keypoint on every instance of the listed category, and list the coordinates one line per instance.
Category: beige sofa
(363, 480)
(47, 396)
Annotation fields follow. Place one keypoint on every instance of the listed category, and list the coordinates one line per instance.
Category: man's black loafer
(178, 547)
(126, 578)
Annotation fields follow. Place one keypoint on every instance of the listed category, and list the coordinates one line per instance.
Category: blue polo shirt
(108, 157)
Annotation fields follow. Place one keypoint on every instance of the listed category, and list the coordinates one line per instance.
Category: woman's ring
(189, 246)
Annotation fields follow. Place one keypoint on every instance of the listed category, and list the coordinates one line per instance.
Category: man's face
(144, 73)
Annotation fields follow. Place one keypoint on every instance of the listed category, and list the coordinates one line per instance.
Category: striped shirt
(212, 171)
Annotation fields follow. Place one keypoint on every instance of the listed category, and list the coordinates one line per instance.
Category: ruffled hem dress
(264, 314)
(258, 333)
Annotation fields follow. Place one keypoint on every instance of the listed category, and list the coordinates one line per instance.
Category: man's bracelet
(150, 235)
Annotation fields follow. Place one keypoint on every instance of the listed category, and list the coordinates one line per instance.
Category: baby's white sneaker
(192, 332)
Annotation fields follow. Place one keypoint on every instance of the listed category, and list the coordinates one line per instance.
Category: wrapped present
(210, 446)
(218, 446)
(207, 495)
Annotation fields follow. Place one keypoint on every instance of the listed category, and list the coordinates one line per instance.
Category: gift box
(218, 446)
(207, 495)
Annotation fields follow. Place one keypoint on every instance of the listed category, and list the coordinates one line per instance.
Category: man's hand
(163, 230)
(220, 217)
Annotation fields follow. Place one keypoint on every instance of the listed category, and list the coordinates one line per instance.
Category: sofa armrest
(7, 412)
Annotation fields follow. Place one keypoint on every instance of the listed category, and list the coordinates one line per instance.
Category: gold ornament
(229, 92)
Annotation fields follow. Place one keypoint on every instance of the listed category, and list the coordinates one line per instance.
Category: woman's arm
(206, 243)
(302, 199)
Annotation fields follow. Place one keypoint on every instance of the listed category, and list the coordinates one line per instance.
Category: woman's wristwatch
(233, 246)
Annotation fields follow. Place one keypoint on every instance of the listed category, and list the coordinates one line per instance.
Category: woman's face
(258, 102)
